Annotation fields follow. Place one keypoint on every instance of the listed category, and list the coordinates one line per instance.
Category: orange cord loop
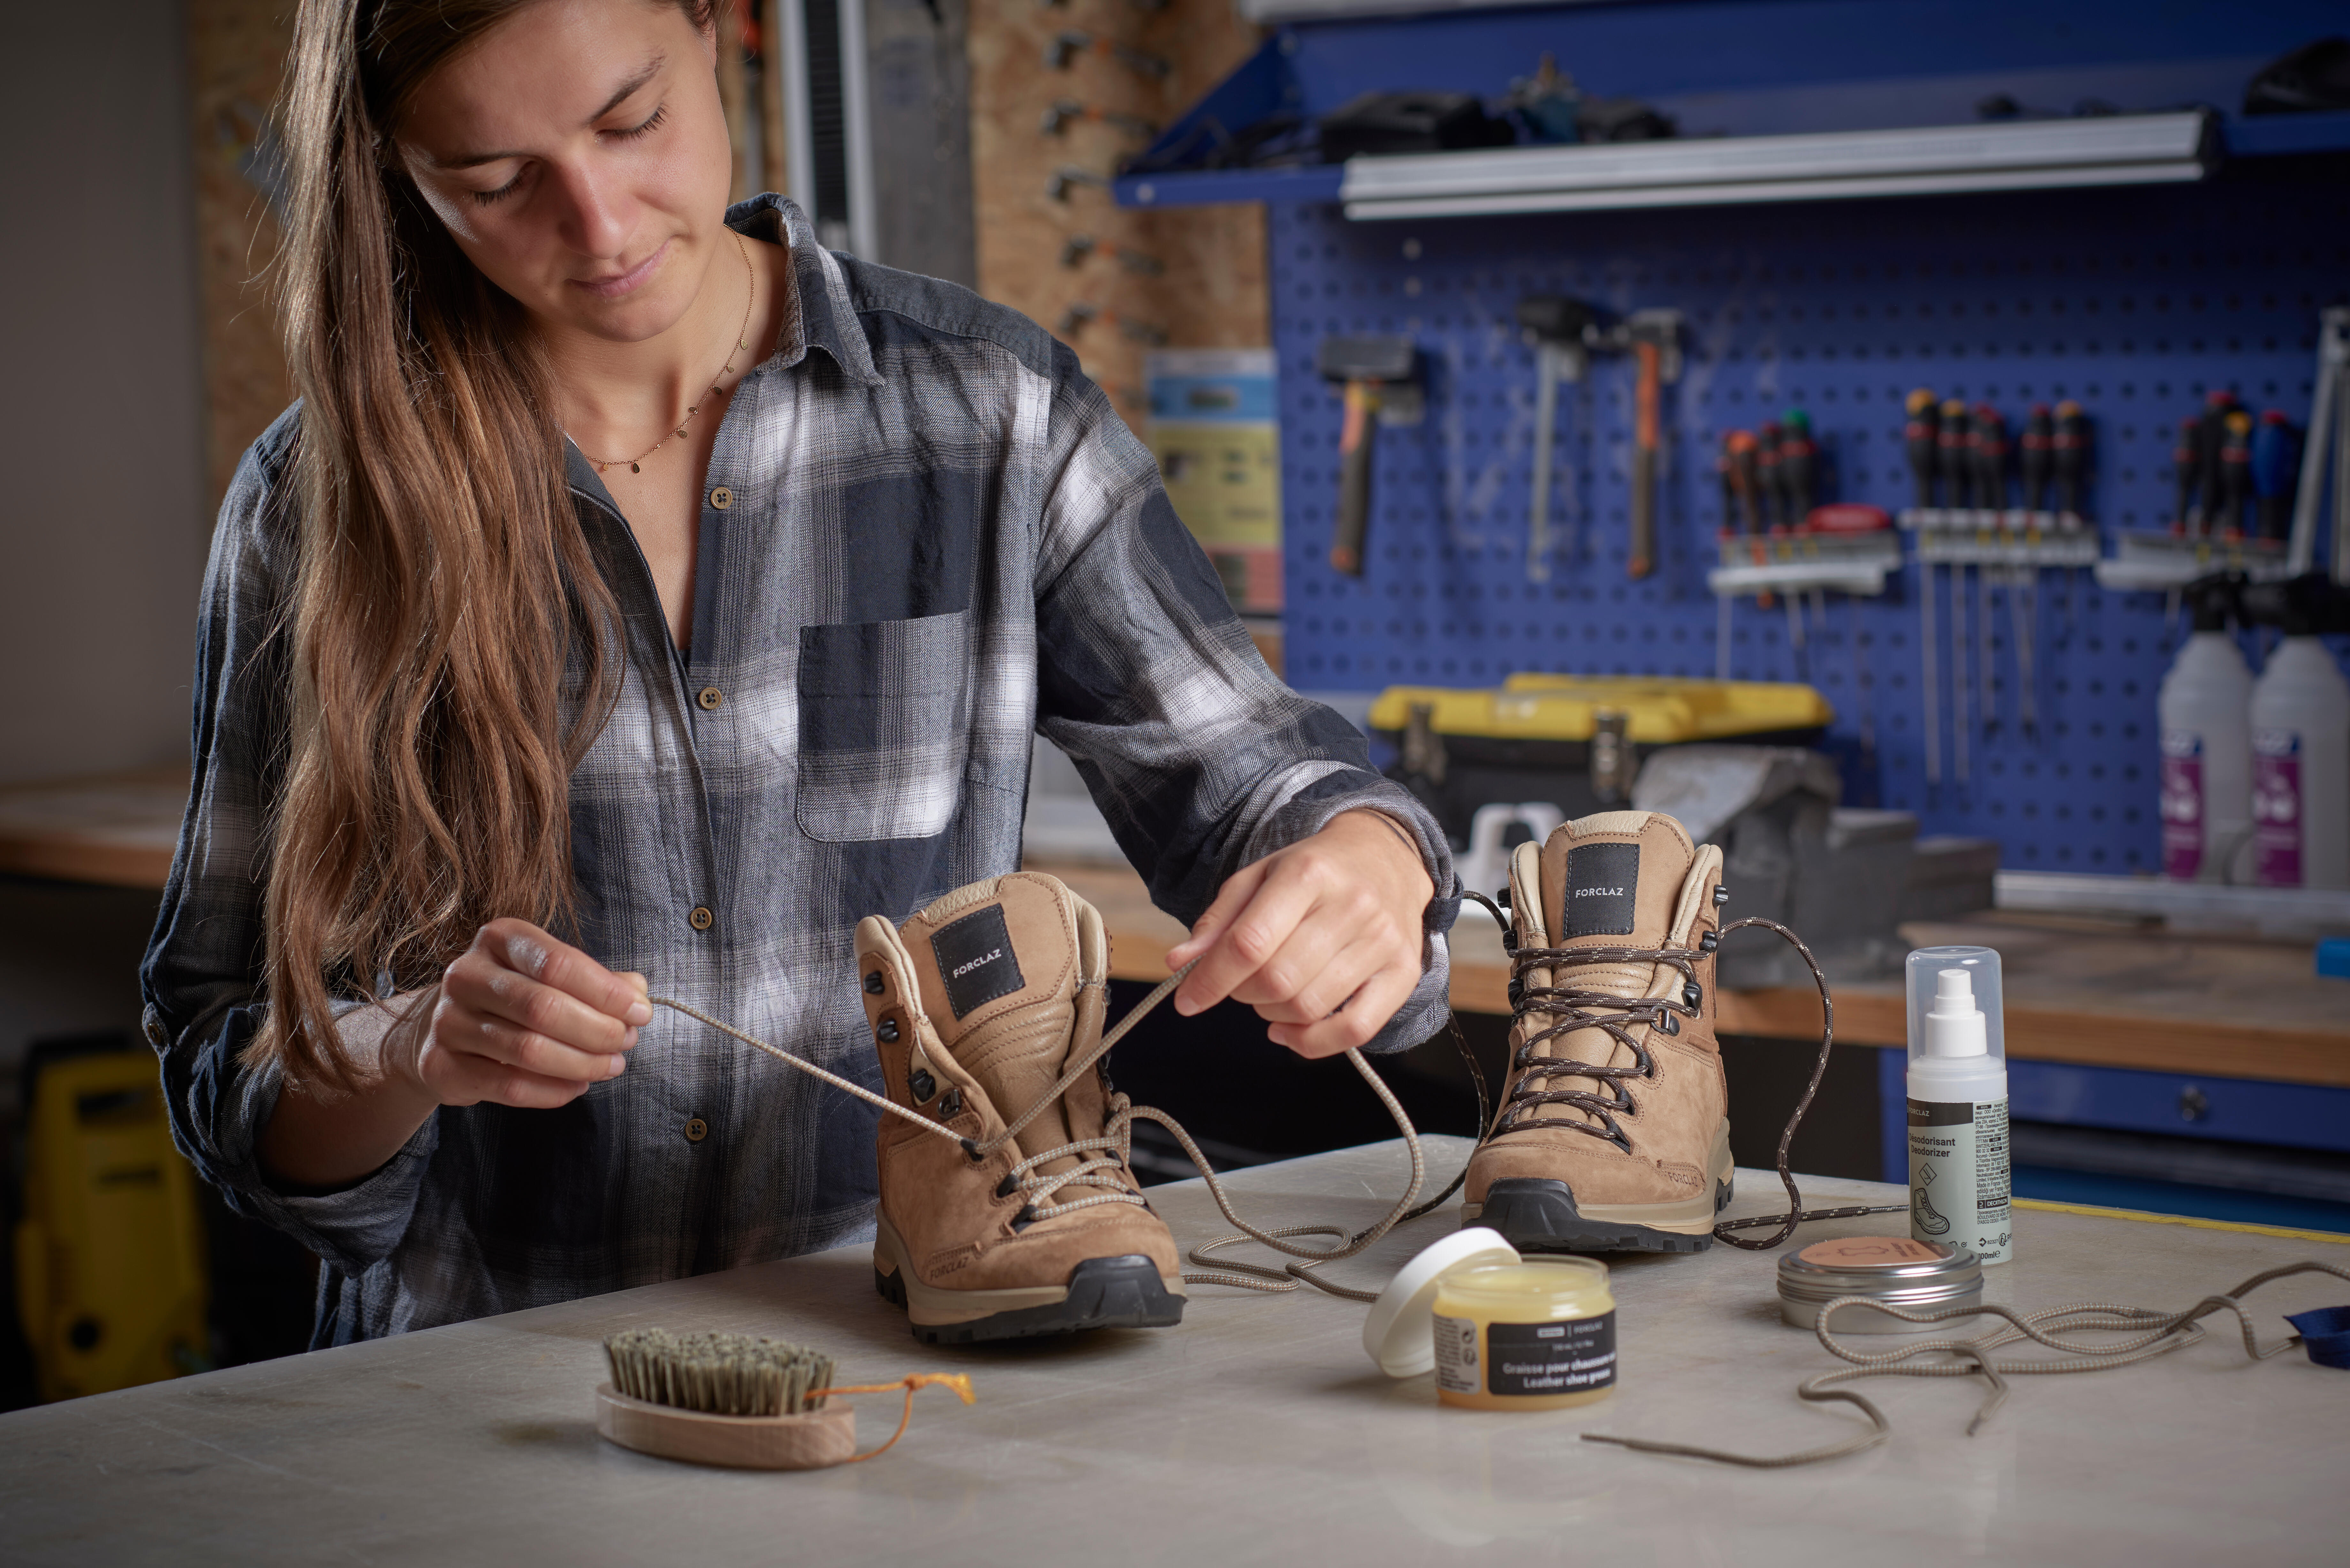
(958, 1381)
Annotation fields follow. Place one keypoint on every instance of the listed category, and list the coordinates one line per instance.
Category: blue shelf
(1730, 67)
(2279, 135)
(1314, 182)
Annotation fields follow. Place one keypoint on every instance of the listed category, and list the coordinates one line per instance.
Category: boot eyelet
(1517, 992)
(971, 1148)
(1007, 1187)
(1025, 1218)
(1721, 895)
(1708, 942)
(1669, 1025)
(873, 983)
(1510, 939)
(886, 1032)
(950, 1103)
(1693, 996)
(924, 1086)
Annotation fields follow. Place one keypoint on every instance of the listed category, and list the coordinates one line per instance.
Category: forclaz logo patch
(1603, 889)
(976, 960)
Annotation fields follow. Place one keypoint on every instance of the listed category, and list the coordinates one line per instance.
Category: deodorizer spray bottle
(1959, 1167)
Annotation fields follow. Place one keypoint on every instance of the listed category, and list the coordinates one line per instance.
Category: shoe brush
(738, 1400)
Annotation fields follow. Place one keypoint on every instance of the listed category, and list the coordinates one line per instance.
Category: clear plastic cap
(1957, 1010)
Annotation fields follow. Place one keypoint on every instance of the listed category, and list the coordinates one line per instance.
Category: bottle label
(2182, 804)
(1959, 1176)
(2276, 807)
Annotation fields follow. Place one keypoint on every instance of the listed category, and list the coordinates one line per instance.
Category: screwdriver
(1923, 435)
(2211, 434)
(2186, 463)
(2235, 472)
(1746, 474)
(1766, 476)
(2034, 461)
(1988, 445)
(1799, 474)
(1952, 441)
(1919, 432)
(2275, 470)
(2069, 449)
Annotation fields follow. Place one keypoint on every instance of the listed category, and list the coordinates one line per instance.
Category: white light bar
(2114, 150)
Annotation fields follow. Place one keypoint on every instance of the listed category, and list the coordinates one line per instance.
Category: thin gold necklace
(742, 342)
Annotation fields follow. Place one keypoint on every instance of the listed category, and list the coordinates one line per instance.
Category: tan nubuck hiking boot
(979, 1004)
(1613, 1134)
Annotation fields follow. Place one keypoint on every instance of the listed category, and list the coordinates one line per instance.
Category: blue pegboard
(2132, 301)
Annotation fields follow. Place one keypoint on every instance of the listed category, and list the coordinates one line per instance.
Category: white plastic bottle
(2301, 768)
(2205, 710)
(1960, 1169)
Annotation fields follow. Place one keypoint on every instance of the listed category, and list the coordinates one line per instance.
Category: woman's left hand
(1333, 921)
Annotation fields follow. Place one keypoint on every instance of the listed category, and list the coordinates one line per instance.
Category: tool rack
(2132, 298)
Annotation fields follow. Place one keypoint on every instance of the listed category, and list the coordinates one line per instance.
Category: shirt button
(696, 1129)
(722, 498)
(710, 697)
(152, 1023)
(701, 919)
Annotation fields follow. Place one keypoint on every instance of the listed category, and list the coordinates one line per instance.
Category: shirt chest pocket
(884, 727)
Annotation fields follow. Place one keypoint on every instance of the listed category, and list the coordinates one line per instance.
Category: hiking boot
(979, 1004)
(1612, 1134)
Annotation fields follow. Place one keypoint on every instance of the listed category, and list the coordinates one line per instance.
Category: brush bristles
(724, 1373)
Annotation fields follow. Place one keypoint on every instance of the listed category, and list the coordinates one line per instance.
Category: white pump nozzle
(1955, 1025)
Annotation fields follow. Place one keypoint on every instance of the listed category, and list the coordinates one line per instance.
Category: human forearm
(323, 1137)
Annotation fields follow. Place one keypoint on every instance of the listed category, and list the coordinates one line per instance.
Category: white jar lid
(1400, 1333)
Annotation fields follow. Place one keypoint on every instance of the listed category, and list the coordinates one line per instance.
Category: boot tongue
(999, 967)
(1612, 880)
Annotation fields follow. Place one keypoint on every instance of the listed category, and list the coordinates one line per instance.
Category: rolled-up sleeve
(202, 976)
(1200, 759)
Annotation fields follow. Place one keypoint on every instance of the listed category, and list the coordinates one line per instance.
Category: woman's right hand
(521, 1019)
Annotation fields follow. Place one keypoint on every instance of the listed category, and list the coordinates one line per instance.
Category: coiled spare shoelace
(2164, 1332)
(1118, 1140)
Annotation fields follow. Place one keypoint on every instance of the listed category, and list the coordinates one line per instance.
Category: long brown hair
(442, 582)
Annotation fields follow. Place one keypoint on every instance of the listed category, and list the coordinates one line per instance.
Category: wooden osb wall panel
(236, 52)
(1211, 292)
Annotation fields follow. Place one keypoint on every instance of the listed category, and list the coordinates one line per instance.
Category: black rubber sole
(1537, 1214)
(1103, 1292)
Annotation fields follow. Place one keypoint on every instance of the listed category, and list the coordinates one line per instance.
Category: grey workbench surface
(1255, 1430)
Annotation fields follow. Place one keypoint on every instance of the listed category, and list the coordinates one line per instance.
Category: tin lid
(1886, 1268)
(1400, 1333)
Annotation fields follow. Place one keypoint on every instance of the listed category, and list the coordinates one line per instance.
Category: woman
(637, 590)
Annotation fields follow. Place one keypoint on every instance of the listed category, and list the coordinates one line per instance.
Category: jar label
(1456, 1354)
(2276, 807)
(1959, 1176)
(2182, 804)
(1534, 1360)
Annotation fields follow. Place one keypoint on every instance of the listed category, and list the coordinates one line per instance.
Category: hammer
(1363, 366)
(1654, 339)
(1555, 324)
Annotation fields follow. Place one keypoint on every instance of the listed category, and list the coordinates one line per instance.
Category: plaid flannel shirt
(925, 536)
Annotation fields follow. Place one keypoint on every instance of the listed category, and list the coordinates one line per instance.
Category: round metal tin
(1917, 1277)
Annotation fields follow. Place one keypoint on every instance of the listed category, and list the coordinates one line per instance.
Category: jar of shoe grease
(1500, 1332)
(1532, 1335)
